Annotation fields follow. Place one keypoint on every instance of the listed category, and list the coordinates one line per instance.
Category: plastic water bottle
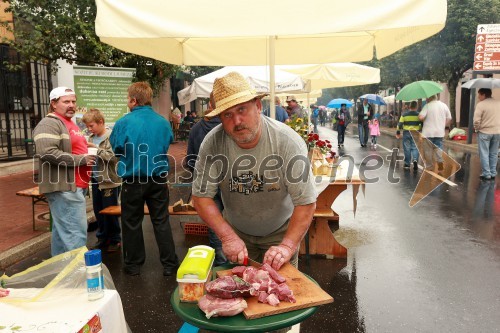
(95, 279)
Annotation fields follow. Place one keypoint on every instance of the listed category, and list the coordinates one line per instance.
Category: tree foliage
(47, 30)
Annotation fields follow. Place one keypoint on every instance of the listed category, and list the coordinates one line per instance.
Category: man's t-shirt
(436, 113)
(256, 202)
(78, 147)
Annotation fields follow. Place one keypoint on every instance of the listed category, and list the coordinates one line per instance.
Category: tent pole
(272, 79)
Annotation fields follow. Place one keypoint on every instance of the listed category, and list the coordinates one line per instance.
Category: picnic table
(37, 198)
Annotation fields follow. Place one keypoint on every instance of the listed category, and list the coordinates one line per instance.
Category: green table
(190, 313)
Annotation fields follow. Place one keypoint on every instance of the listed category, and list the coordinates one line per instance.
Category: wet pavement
(431, 268)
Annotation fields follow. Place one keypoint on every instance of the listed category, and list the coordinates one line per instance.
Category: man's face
(243, 123)
(65, 106)
(481, 97)
(291, 104)
(96, 128)
(365, 101)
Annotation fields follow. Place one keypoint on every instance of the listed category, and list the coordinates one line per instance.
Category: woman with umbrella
(365, 113)
(343, 119)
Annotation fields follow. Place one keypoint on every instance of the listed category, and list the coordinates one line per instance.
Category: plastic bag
(50, 278)
(456, 131)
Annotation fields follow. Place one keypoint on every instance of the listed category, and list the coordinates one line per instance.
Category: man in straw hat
(260, 166)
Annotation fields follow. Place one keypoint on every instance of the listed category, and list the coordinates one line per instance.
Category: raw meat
(276, 277)
(229, 287)
(221, 307)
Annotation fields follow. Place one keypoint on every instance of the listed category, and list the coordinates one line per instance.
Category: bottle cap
(93, 257)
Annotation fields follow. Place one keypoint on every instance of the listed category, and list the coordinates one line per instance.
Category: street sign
(487, 49)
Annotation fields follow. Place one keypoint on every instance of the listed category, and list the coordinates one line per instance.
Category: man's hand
(276, 256)
(234, 249)
(90, 159)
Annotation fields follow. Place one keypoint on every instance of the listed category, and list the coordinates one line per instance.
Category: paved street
(431, 268)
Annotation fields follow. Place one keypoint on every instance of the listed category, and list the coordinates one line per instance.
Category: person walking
(487, 125)
(105, 182)
(365, 113)
(196, 136)
(374, 132)
(435, 116)
(64, 168)
(266, 214)
(315, 117)
(409, 121)
(281, 114)
(141, 140)
(343, 118)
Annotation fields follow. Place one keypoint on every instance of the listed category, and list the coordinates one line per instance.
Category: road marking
(387, 149)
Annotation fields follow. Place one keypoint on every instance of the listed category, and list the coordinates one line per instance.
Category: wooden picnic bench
(36, 199)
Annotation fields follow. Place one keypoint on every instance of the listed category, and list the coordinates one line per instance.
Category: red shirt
(78, 147)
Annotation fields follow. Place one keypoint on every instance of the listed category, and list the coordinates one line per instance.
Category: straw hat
(230, 90)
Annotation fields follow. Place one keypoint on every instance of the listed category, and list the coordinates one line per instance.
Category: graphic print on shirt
(247, 183)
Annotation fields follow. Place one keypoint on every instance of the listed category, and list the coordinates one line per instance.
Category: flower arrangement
(297, 124)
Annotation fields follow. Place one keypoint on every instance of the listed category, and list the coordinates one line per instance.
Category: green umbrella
(419, 89)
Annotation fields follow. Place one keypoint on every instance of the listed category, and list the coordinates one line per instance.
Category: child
(105, 182)
(374, 131)
(409, 122)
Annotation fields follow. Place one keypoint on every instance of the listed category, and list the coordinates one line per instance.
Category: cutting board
(304, 289)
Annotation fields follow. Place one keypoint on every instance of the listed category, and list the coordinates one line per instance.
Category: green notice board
(104, 88)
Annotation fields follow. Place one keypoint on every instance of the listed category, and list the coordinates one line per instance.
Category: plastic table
(192, 314)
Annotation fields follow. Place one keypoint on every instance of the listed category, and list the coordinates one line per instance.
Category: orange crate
(195, 229)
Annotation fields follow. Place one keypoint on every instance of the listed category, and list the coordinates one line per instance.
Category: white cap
(61, 91)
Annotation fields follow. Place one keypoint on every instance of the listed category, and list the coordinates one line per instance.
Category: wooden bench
(117, 210)
(36, 198)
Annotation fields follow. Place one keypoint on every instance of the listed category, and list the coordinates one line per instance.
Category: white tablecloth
(67, 312)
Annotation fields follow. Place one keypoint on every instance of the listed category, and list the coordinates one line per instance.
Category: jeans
(363, 133)
(409, 148)
(108, 225)
(374, 139)
(315, 123)
(134, 194)
(488, 153)
(433, 151)
(341, 134)
(69, 220)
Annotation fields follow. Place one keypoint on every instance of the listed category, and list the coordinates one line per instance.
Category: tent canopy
(222, 32)
(257, 77)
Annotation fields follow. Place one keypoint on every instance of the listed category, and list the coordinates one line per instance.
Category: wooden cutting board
(305, 291)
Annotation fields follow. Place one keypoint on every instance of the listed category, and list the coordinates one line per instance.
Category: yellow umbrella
(260, 32)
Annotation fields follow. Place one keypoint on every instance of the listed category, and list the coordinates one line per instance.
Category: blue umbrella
(373, 98)
(335, 103)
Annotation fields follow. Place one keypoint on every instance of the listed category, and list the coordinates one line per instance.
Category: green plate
(192, 314)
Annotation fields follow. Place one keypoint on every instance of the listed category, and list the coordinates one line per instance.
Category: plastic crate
(195, 229)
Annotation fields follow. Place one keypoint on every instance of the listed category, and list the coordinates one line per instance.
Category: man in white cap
(63, 171)
(260, 166)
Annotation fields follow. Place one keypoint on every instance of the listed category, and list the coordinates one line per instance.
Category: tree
(47, 30)
(446, 56)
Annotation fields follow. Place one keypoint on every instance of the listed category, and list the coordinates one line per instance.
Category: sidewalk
(18, 240)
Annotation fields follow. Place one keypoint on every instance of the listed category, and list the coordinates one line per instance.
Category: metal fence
(24, 100)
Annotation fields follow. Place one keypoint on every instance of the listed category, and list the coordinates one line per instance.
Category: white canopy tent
(257, 77)
(223, 32)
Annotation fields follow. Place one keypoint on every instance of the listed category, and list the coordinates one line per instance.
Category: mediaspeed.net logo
(437, 168)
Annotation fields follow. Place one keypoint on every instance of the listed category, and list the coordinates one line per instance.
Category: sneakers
(114, 247)
(375, 146)
(415, 165)
(406, 167)
(486, 177)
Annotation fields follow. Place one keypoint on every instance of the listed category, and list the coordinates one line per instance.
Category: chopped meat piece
(274, 275)
(220, 307)
(285, 294)
(229, 287)
(262, 297)
(238, 270)
(272, 299)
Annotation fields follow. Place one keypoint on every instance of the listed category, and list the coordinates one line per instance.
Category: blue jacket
(141, 139)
